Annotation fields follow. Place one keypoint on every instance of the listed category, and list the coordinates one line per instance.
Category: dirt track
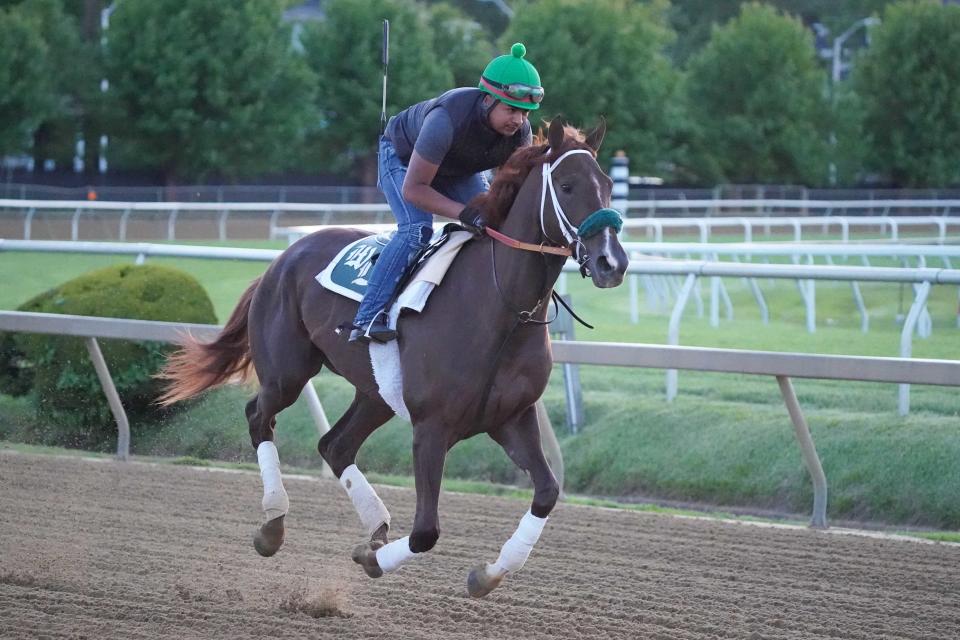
(106, 550)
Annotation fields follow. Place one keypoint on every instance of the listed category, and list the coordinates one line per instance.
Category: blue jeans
(414, 227)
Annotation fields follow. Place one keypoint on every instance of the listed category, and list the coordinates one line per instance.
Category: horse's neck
(526, 276)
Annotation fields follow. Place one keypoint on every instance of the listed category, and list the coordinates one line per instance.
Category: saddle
(347, 272)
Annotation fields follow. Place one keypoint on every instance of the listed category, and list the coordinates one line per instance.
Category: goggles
(517, 91)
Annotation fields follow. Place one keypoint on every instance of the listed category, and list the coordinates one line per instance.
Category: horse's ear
(555, 134)
(595, 137)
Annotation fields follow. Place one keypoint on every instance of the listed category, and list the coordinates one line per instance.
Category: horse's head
(575, 205)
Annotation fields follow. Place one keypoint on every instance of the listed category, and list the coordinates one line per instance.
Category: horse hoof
(380, 535)
(480, 583)
(365, 555)
(269, 537)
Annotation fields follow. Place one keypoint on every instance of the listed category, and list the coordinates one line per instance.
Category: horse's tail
(197, 366)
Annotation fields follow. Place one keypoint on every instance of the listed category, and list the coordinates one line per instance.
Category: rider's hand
(472, 219)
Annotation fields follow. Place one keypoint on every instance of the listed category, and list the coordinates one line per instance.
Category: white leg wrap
(275, 502)
(516, 550)
(392, 555)
(365, 500)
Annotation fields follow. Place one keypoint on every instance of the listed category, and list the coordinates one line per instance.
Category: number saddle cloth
(347, 275)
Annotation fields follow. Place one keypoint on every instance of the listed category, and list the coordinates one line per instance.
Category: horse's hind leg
(278, 390)
(339, 447)
(521, 441)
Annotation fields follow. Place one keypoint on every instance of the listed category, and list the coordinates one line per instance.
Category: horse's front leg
(521, 441)
(429, 452)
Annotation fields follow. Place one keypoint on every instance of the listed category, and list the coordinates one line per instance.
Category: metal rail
(782, 366)
(90, 328)
(687, 268)
(717, 214)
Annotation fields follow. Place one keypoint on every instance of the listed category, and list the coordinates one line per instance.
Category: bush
(57, 371)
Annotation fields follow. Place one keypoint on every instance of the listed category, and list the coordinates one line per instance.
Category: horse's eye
(566, 188)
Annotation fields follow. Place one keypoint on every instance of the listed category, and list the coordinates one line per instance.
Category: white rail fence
(782, 366)
(708, 215)
(660, 293)
(690, 270)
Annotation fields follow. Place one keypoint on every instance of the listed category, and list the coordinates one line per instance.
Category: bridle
(569, 231)
(573, 235)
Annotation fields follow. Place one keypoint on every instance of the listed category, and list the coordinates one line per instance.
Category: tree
(76, 93)
(756, 94)
(909, 82)
(36, 39)
(344, 52)
(694, 19)
(462, 41)
(606, 58)
(205, 88)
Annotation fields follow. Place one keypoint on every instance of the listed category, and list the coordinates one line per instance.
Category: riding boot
(377, 330)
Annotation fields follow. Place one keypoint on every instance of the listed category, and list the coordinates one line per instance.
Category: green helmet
(513, 80)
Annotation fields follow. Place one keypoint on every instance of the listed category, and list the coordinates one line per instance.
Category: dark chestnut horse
(476, 360)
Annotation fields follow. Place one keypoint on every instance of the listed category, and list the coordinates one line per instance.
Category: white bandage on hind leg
(365, 500)
(392, 555)
(517, 549)
(275, 502)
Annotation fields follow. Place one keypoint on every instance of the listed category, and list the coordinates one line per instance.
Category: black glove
(472, 219)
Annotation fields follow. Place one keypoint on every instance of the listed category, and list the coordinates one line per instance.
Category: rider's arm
(417, 189)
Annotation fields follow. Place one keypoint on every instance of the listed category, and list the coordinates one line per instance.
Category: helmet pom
(518, 50)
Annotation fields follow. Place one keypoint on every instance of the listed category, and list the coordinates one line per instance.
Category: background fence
(124, 220)
(690, 270)
(348, 194)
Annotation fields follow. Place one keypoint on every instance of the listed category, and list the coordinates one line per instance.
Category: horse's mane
(496, 203)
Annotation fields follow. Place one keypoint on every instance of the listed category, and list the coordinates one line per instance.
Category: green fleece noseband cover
(599, 219)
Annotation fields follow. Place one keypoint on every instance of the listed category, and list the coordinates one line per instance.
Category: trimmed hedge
(57, 371)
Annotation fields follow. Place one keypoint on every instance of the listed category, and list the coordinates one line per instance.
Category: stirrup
(377, 331)
(357, 335)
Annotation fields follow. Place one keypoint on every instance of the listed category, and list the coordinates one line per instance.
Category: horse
(457, 382)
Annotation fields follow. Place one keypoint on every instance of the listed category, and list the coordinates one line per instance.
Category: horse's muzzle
(608, 261)
(606, 274)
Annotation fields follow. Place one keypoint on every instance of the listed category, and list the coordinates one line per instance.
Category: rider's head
(515, 89)
(513, 80)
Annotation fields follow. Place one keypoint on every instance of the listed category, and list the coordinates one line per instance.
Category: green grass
(726, 442)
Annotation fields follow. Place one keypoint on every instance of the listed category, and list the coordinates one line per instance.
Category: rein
(527, 246)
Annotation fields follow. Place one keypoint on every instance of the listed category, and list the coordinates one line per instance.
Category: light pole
(104, 83)
(836, 71)
(839, 40)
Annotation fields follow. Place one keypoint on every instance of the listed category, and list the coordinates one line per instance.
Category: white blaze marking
(608, 250)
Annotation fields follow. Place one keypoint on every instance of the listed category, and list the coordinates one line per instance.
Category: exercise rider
(431, 162)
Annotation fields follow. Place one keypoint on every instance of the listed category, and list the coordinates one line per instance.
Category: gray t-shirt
(451, 131)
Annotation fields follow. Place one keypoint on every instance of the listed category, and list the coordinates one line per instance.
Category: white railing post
(906, 342)
(319, 418)
(116, 407)
(124, 218)
(28, 222)
(809, 452)
(673, 331)
(75, 225)
(172, 225)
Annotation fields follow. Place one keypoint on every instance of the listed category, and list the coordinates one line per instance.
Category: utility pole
(836, 73)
